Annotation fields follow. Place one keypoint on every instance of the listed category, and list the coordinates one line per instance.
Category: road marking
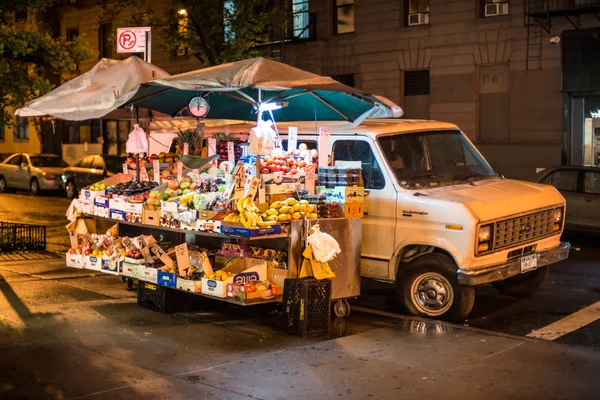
(571, 323)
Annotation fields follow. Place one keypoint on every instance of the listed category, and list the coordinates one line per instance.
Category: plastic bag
(187, 217)
(137, 142)
(324, 246)
(262, 139)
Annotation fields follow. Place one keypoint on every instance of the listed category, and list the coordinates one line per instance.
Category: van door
(379, 224)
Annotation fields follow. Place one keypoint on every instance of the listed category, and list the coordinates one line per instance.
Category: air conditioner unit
(492, 10)
(418, 19)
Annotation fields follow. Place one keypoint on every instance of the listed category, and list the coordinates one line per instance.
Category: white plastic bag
(137, 142)
(262, 139)
(324, 246)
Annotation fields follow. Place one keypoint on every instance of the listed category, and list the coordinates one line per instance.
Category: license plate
(528, 263)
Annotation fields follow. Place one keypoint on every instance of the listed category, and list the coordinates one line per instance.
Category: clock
(198, 107)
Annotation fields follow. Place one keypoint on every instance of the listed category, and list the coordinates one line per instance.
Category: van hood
(490, 200)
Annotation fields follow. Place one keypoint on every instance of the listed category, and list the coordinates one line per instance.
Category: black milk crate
(307, 306)
(22, 237)
(163, 299)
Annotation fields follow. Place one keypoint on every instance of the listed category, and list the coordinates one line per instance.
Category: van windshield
(434, 158)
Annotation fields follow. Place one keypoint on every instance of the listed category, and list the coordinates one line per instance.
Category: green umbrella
(242, 89)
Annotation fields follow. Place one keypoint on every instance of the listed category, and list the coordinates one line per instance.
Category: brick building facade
(482, 64)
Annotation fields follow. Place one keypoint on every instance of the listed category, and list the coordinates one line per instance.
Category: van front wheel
(427, 287)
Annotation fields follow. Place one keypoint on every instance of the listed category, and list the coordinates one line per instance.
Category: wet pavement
(68, 334)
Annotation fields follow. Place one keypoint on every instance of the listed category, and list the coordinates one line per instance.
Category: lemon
(272, 218)
(312, 216)
(296, 207)
(277, 205)
(272, 211)
(310, 208)
(303, 202)
(296, 215)
(285, 210)
(290, 201)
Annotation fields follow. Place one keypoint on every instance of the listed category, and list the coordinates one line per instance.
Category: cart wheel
(341, 327)
(341, 308)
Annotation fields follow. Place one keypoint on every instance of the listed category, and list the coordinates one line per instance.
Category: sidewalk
(91, 345)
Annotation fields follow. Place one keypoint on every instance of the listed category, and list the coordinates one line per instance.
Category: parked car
(34, 172)
(580, 186)
(89, 170)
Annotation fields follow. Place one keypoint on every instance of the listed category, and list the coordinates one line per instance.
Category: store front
(581, 89)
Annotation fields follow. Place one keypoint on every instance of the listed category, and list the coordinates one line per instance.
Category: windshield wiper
(431, 176)
(472, 177)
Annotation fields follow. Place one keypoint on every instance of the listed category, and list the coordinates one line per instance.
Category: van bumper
(511, 268)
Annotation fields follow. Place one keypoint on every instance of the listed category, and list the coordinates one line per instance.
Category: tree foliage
(30, 55)
(215, 31)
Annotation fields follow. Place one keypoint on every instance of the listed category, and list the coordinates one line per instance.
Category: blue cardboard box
(167, 279)
(247, 232)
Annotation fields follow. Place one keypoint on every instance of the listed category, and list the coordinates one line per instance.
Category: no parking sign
(132, 40)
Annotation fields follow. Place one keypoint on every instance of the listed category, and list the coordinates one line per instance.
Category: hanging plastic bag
(324, 247)
(262, 139)
(137, 142)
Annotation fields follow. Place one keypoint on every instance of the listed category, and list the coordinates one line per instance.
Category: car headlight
(558, 214)
(484, 239)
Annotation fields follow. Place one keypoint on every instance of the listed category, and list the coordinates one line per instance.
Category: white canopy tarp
(96, 93)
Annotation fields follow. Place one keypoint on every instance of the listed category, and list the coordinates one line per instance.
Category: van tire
(428, 287)
(523, 285)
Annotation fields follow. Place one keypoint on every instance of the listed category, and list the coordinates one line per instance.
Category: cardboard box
(235, 230)
(112, 267)
(166, 279)
(246, 270)
(147, 274)
(87, 208)
(354, 209)
(131, 270)
(117, 214)
(117, 203)
(92, 263)
(134, 208)
(100, 201)
(89, 195)
(274, 188)
(100, 211)
(349, 193)
(74, 260)
(188, 285)
(150, 216)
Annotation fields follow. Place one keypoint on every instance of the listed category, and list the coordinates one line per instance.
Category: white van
(439, 221)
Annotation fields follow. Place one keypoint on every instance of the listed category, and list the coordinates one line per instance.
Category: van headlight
(558, 217)
(484, 239)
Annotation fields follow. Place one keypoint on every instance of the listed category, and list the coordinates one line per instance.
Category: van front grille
(523, 229)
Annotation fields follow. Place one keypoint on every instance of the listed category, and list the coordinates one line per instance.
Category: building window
(21, 16)
(104, 40)
(346, 79)
(343, 15)
(416, 12)
(494, 8)
(72, 34)
(300, 19)
(416, 94)
(21, 131)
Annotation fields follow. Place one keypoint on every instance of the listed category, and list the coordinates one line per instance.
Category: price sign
(156, 170)
(231, 152)
(158, 252)
(239, 181)
(292, 138)
(125, 169)
(128, 243)
(73, 238)
(205, 263)
(323, 146)
(87, 239)
(143, 174)
(251, 187)
(183, 259)
(186, 149)
(212, 149)
(140, 243)
(310, 178)
(179, 170)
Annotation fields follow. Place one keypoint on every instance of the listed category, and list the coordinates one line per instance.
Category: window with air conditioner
(416, 12)
(495, 8)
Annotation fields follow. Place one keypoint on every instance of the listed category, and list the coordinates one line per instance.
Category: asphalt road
(573, 284)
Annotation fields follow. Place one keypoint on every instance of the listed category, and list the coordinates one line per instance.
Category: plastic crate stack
(307, 306)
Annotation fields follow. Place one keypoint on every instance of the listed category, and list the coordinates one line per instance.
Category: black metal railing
(533, 7)
(21, 237)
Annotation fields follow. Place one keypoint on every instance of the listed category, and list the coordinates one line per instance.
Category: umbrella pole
(137, 155)
(257, 164)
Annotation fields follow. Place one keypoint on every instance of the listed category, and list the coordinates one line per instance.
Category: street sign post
(135, 40)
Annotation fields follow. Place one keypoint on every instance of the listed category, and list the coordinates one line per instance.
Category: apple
(165, 173)
(302, 164)
(265, 170)
(274, 168)
(150, 201)
(293, 171)
(284, 169)
(173, 184)
(169, 159)
(290, 162)
(314, 153)
(269, 160)
(184, 184)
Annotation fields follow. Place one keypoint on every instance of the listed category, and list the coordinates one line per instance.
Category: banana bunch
(248, 215)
